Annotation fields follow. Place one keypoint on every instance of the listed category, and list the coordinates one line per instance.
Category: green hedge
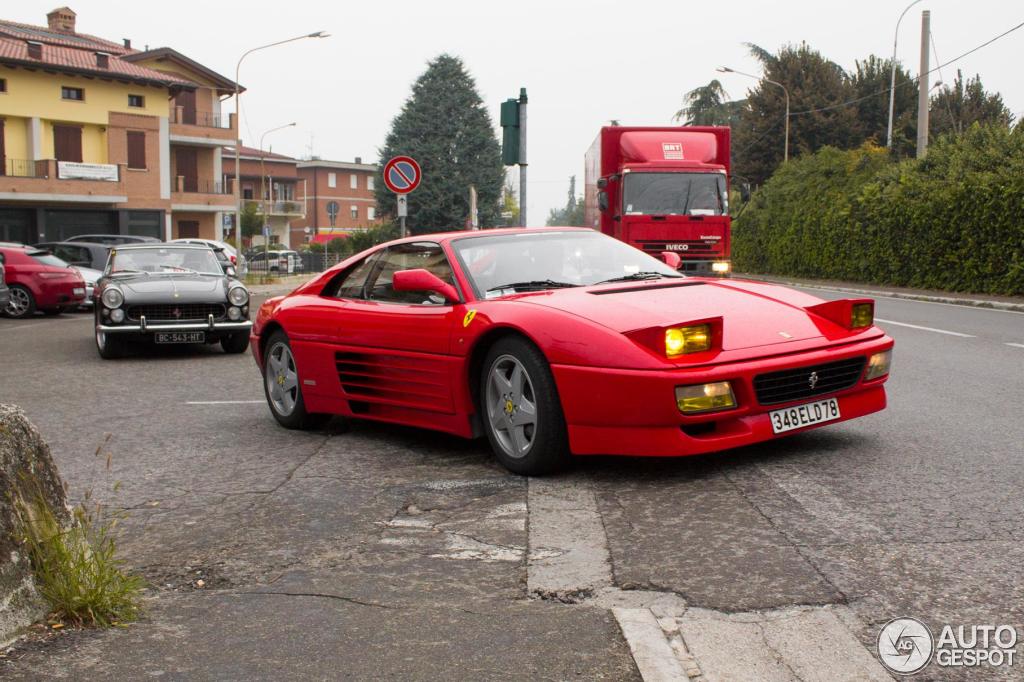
(953, 221)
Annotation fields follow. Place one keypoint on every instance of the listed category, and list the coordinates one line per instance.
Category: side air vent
(406, 381)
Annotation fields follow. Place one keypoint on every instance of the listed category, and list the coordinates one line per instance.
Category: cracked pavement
(379, 552)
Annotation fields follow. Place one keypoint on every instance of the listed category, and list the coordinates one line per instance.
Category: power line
(912, 80)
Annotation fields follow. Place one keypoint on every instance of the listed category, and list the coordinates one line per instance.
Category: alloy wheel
(511, 406)
(282, 379)
(19, 303)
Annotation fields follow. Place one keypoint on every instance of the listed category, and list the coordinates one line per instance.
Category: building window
(371, 213)
(354, 212)
(369, 182)
(332, 179)
(137, 149)
(67, 143)
(136, 101)
(75, 94)
(3, 85)
(353, 181)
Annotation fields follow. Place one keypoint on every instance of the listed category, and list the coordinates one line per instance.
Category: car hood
(177, 288)
(753, 314)
(90, 275)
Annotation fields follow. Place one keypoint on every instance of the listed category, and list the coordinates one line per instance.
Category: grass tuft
(76, 568)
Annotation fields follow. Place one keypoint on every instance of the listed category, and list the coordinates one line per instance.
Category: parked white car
(237, 259)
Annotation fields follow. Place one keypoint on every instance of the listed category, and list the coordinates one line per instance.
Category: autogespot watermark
(906, 646)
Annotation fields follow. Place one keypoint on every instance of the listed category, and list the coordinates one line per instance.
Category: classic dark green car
(169, 294)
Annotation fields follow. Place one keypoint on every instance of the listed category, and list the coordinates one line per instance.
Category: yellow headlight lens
(863, 315)
(878, 365)
(705, 397)
(682, 340)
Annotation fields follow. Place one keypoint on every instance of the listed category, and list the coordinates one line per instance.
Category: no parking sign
(402, 174)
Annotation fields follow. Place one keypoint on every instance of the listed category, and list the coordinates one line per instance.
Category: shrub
(953, 221)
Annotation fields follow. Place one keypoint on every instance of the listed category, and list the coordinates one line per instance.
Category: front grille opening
(795, 384)
(701, 429)
(181, 312)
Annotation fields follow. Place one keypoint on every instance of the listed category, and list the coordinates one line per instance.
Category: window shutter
(137, 149)
(67, 143)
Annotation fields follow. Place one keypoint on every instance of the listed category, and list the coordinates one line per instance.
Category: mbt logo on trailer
(672, 150)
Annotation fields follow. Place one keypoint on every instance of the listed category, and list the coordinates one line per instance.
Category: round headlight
(117, 315)
(234, 313)
(112, 297)
(238, 295)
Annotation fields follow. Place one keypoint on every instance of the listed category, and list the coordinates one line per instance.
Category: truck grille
(795, 384)
(181, 312)
(693, 246)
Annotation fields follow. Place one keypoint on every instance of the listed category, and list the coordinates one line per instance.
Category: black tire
(110, 346)
(235, 343)
(297, 417)
(22, 303)
(51, 312)
(543, 444)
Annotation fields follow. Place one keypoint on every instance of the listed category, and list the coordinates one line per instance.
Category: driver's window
(350, 284)
(426, 255)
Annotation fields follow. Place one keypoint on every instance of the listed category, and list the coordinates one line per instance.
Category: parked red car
(38, 280)
(558, 341)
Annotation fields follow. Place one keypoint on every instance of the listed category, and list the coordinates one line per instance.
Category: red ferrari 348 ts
(564, 341)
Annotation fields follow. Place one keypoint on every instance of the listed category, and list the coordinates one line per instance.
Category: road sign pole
(522, 157)
(403, 211)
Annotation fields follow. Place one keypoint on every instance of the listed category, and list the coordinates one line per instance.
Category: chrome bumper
(143, 328)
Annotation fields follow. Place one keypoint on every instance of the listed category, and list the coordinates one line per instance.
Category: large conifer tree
(445, 126)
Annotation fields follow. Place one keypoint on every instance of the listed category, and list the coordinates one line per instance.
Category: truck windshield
(674, 194)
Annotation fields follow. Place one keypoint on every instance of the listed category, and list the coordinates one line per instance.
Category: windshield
(47, 258)
(164, 259)
(545, 260)
(674, 194)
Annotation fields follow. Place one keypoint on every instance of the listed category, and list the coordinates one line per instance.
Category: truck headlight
(238, 295)
(878, 365)
(721, 267)
(112, 297)
(705, 397)
(680, 340)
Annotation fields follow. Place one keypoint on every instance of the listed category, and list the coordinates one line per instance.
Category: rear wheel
(22, 303)
(281, 386)
(520, 408)
(235, 343)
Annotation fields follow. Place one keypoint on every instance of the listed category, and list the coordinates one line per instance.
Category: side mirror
(602, 183)
(671, 259)
(423, 280)
(230, 271)
(602, 201)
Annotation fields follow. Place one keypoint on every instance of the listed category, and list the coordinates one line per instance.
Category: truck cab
(663, 189)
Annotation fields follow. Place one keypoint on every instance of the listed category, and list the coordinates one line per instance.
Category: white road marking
(224, 402)
(36, 324)
(898, 297)
(1016, 345)
(927, 329)
(651, 651)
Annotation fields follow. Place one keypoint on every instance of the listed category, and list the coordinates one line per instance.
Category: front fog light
(234, 313)
(705, 397)
(117, 315)
(721, 267)
(682, 340)
(878, 365)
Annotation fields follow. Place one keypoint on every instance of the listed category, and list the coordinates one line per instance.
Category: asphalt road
(369, 551)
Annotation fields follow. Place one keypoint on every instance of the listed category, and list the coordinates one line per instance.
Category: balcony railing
(196, 186)
(23, 168)
(289, 207)
(204, 119)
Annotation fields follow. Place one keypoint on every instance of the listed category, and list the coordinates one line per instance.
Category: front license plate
(180, 337)
(804, 415)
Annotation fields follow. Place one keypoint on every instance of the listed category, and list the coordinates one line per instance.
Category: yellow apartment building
(97, 137)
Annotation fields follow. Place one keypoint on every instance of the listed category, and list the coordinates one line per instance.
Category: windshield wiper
(644, 274)
(534, 284)
(129, 272)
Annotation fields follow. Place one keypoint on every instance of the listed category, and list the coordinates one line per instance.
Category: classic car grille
(181, 312)
(795, 384)
(693, 246)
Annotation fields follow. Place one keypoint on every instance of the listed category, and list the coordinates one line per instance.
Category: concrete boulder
(26, 469)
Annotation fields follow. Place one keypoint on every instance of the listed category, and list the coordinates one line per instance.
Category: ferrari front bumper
(633, 412)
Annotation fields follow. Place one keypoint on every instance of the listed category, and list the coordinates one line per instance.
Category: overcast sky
(583, 63)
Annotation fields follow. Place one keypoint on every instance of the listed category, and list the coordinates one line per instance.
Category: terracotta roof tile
(43, 34)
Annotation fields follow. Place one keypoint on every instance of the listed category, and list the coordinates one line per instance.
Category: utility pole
(474, 215)
(522, 157)
(923, 90)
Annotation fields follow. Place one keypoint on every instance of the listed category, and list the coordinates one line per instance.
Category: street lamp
(263, 174)
(892, 75)
(238, 122)
(726, 69)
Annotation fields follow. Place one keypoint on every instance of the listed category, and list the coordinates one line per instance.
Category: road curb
(927, 298)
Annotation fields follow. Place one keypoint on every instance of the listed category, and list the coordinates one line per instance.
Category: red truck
(663, 189)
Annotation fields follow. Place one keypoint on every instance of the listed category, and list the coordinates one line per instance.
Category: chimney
(127, 43)
(61, 20)
(359, 159)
